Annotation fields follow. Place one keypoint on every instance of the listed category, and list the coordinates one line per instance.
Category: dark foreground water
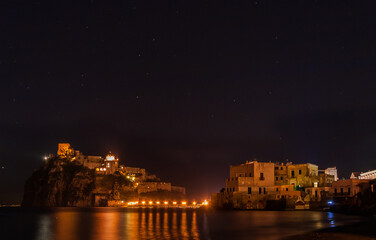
(116, 224)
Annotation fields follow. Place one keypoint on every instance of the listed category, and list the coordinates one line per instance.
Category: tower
(111, 163)
(65, 150)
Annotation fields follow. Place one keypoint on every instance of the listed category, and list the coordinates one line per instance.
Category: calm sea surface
(116, 224)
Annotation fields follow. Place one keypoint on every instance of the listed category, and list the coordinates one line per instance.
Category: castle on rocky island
(72, 179)
(141, 179)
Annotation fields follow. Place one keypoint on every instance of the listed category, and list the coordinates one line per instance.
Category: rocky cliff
(61, 182)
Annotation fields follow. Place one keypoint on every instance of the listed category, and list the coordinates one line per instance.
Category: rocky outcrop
(64, 183)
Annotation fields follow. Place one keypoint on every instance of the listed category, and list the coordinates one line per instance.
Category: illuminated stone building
(111, 163)
(249, 186)
(322, 190)
(348, 187)
(285, 192)
(318, 193)
(370, 175)
(138, 174)
(297, 175)
(65, 150)
(325, 180)
(91, 162)
(332, 171)
(251, 174)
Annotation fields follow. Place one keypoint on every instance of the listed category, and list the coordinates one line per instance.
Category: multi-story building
(332, 171)
(111, 163)
(251, 177)
(298, 175)
(281, 174)
(91, 162)
(322, 190)
(370, 175)
(137, 174)
(325, 180)
(349, 187)
(65, 150)
(251, 184)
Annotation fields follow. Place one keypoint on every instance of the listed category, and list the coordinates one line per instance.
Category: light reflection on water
(119, 224)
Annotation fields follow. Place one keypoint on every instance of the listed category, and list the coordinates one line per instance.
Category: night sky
(187, 88)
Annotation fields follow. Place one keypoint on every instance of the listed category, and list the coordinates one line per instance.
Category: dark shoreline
(363, 230)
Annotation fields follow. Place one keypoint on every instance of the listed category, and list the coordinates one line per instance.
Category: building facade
(349, 187)
(65, 150)
(252, 184)
(332, 171)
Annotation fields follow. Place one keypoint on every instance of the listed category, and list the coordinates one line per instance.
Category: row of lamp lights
(204, 203)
